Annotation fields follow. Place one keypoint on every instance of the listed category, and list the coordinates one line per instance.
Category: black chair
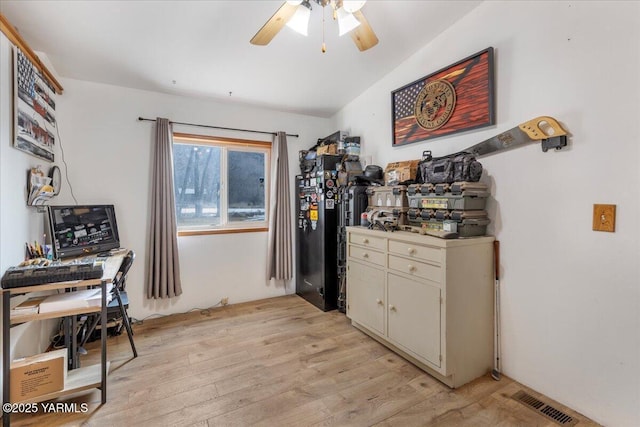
(119, 303)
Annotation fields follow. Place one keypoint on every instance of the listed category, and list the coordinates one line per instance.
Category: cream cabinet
(428, 299)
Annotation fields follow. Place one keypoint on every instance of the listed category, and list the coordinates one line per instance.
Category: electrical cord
(66, 167)
(203, 311)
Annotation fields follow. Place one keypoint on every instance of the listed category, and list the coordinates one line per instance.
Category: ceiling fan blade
(363, 36)
(274, 24)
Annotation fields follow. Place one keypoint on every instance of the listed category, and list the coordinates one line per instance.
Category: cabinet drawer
(426, 253)
(368, 241)
(365, 254)
(415, 268)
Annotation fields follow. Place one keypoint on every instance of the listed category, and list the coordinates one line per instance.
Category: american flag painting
(34, 107)
(404, 100)
(473, 81)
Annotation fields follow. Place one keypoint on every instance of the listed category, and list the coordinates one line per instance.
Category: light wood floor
(279, 362)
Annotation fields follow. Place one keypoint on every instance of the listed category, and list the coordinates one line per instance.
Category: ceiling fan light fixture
(294, 2)
(352, 6)
(299, 22)
(346, 21)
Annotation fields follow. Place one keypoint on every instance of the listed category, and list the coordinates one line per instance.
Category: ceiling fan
(295, 14)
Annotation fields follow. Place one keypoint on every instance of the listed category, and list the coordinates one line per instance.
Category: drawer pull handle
(412, 251)
(365, 241)
(412, 268)
(392, 307)
(378, 301)
(365, 255)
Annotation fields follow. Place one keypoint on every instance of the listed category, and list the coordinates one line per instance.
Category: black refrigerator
(317, 233)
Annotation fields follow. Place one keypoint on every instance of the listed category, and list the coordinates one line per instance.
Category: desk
(112, 264)
(94, 376)
(111, 267)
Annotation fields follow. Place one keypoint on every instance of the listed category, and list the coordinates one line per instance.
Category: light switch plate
(604, 218)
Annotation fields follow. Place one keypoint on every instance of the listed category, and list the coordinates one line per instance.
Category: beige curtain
(279, 257)
(163, 279)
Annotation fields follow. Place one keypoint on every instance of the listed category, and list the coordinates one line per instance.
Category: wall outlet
(604, 218)
(224, 301)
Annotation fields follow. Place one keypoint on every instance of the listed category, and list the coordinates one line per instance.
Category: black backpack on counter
(456, 167)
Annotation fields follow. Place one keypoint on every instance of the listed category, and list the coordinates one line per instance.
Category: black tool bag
(448, 169)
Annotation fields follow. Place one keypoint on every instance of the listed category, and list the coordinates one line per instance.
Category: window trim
(231, 143)
(222, 231)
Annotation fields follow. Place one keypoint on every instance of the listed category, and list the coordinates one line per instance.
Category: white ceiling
(204, 47)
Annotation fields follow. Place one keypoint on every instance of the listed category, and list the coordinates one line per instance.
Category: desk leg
(103, 340)
(66, 322)
(74, 342)
(6, 358)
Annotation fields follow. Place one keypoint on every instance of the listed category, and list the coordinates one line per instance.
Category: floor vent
(544, 409)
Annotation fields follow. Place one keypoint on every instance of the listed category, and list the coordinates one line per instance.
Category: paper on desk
(72, 300)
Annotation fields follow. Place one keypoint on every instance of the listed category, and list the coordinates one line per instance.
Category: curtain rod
(219, 127)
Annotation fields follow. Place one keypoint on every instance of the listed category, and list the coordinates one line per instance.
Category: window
(221, 184)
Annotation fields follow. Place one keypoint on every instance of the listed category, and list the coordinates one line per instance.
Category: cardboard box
(327, 149)
(30, 306)
(38, 375)
(398, 172)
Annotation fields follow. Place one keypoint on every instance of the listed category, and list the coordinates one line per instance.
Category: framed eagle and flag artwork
(454, 99)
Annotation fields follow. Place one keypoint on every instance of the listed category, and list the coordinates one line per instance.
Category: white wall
(18, 223)
(570, 296)
(109, 151)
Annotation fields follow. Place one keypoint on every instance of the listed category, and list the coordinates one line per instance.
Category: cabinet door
(414, 317)
(365, 296)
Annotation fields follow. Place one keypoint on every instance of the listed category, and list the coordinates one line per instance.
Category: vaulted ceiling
(202, 49)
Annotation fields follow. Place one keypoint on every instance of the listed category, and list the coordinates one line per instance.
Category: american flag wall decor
(457, 98)
(35, 108)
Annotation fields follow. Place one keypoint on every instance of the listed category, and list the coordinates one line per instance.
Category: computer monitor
(78, 230)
